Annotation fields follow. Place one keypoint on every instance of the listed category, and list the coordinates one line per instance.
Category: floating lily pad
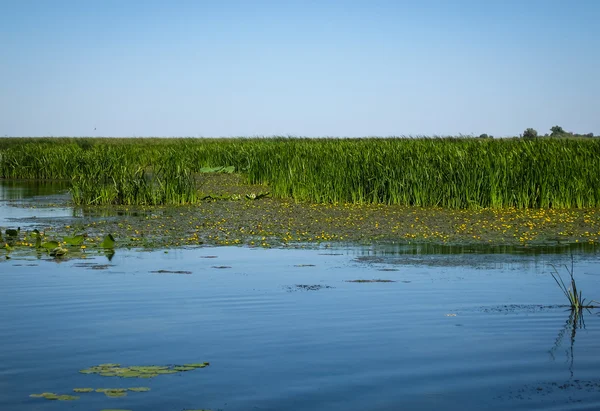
(183, 368)
(197, 365)
(55, 397)
(137, 371)
(108, 242)
(139, 389)
(115, 394)
(58, 252)
(83, 389)
(75, 240)
(49, 245)
(111, 389)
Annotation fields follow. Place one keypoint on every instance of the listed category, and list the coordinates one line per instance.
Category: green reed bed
(449, 172)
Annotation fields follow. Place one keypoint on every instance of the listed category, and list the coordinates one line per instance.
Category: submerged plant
(576, 300)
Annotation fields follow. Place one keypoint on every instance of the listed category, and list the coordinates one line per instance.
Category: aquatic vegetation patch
(371, 281)
(55, 397)
(283, 223)
(108, 241)
(113, 392)
(138, 389)
(574, 296)
(307, 287)
(82, 390)
(136, 371)
(171, 272)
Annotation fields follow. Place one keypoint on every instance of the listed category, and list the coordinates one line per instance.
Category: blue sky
(306, 68)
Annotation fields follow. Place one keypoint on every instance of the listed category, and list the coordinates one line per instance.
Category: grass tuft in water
(575, 297)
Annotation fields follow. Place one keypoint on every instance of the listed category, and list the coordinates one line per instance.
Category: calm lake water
(283, 329)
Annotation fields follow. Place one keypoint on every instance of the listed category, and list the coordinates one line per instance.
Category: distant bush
(530, 133)
(590, 135)
(484, 136)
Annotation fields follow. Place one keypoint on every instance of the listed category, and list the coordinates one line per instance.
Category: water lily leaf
(58, 252)
(137, 371)
(49, 245)
(139, 389)
(108, 242)
(115, 394)
(75, 240)
(197, 365)
(182, 368)
(83, 389)
(55, 397)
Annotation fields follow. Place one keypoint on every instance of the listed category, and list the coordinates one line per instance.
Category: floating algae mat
(138, 371)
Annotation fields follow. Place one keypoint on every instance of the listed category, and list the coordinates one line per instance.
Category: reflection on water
(573, 323)
(23, 189)
(454, 249)
(21, 200)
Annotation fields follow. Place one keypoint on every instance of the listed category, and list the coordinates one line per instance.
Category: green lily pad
(183, 368)
(139, 389)
(108, 242)
(49, 245)
(138, 371)
(83, 390)
(197, 365)
(75, 240)
(55, 397)
(58, 252)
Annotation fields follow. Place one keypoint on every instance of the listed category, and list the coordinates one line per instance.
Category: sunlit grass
(455, 173)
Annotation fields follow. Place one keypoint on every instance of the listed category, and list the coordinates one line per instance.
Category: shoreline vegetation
(454, 173)
(156, 193)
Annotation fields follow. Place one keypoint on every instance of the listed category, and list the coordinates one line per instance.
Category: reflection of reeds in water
(576, 304)
(574, 322)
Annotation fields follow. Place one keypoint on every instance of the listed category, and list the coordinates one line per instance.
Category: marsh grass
(573, 294)
(454, 173)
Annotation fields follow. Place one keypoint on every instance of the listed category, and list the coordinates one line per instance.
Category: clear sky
(305, 68)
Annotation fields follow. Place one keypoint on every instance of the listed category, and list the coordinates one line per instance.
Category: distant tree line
(555, 131)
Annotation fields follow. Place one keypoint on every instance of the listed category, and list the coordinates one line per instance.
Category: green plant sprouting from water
(573, 294)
